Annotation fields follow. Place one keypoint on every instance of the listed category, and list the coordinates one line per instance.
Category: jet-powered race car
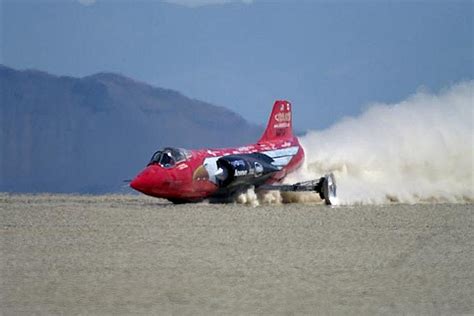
(181, 175)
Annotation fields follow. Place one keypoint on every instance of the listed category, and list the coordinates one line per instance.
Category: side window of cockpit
(155, 158)
(180, 156)
(167, 160)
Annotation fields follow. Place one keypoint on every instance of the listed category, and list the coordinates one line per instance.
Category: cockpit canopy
(169, 156)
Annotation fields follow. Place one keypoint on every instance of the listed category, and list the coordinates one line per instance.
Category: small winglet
(280, 123)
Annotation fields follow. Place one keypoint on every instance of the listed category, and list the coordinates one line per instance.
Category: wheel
(329, 190)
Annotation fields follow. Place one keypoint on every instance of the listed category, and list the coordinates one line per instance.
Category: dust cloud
(416, 151)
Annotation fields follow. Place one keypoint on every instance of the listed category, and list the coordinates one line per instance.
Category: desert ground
(130, 254)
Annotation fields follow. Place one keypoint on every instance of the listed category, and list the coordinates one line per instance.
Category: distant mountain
(65, 134)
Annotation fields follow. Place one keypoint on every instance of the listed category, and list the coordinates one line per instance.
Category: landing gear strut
(325, 187)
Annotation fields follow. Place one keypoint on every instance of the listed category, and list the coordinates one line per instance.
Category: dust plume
(418, 150)
(415, 151)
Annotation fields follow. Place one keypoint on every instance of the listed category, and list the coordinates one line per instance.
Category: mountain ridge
(67, 134)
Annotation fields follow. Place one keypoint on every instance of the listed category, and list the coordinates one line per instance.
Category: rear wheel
(328, 192)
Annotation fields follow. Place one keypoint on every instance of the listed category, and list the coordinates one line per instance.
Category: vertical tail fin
(280, 123)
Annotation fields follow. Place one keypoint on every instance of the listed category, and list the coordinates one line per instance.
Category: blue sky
(330, 58)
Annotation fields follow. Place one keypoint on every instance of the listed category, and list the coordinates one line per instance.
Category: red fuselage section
(190, 175)
(189, 180)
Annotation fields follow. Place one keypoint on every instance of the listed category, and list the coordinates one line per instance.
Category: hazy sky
(329, 58)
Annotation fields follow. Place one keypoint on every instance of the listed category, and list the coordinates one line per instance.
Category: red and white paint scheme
(182, 175)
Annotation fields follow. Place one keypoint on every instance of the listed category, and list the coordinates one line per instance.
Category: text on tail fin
(280, 122)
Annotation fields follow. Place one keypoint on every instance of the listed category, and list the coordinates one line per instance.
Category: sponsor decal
(245, 148)
(239, 173)
(281, 125)
(282, 107)
(283, 117)
(238, 163)
(212, 152)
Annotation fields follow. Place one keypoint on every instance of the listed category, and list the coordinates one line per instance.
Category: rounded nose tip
(135, 184)
(144, 181)
(139, 183)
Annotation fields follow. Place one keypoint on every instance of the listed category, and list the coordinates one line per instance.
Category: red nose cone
(144, 182)
(138, 184)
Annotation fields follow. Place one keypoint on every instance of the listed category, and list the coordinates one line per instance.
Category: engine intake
(247, 169)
